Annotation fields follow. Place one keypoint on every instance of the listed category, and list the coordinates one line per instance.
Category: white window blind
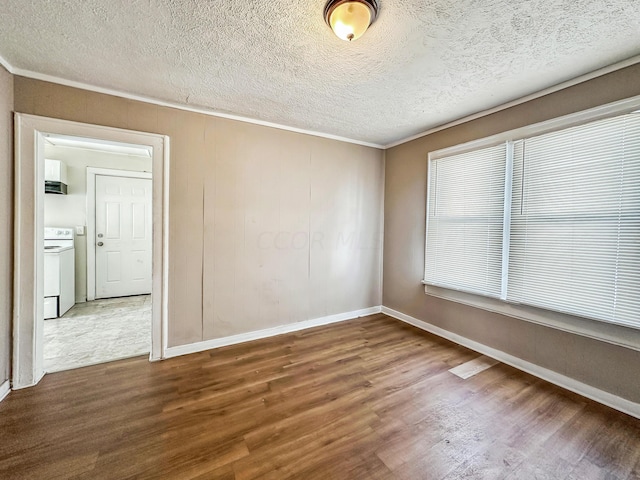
(465, 215)
(575, 221)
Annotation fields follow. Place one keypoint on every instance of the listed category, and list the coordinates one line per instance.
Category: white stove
(59, 271)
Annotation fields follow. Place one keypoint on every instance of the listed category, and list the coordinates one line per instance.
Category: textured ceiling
(422, 64)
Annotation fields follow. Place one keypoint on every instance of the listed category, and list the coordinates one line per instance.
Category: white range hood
(55, 177)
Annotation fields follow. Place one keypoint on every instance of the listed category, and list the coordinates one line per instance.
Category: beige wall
(6, 221)
(71, 210)
(611, 368)
(267, 227)
(261, 216)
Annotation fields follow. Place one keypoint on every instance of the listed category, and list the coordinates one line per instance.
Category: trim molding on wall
(267, 332)
(205, 111)
(560, 86)
(35, 382)
(30, 131)
(7, 66)
(83, 86)
(599, 112)
(5, 388)
(600, 396)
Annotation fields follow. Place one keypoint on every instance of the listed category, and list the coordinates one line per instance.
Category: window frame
(616, 334)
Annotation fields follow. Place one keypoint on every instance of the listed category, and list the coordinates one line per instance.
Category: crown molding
(154, 101)
(7, 66)
(569, 83)
(210, 112)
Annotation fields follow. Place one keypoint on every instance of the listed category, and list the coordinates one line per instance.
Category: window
(549, 220)
(465, 205)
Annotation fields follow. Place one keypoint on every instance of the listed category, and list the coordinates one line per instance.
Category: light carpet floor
(97, 332)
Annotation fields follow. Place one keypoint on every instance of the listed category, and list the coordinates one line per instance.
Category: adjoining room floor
(98, 332)
(370, 398)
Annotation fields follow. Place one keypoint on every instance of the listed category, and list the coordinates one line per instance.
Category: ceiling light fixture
(349, 19)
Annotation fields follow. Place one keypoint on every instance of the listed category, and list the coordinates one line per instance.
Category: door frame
(92, 172)
(28, 260)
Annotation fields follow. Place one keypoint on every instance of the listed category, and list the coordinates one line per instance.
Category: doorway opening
(97, 291)
(114, 218)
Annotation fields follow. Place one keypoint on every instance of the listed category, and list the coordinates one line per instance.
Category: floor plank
(371, 398)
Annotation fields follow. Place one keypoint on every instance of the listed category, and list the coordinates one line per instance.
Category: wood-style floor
(370, 398)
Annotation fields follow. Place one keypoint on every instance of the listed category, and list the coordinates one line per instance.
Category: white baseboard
(5, 388)
(600, 396)
(39, 377)
(268, 332)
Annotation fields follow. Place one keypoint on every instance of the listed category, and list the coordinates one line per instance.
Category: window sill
(627, 337)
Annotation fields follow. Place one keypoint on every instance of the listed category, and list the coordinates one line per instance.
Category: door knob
(100, 244)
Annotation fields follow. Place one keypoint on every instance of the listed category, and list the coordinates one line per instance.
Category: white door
(123, 236)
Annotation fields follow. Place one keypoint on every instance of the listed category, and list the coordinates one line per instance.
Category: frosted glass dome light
(349, 19)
